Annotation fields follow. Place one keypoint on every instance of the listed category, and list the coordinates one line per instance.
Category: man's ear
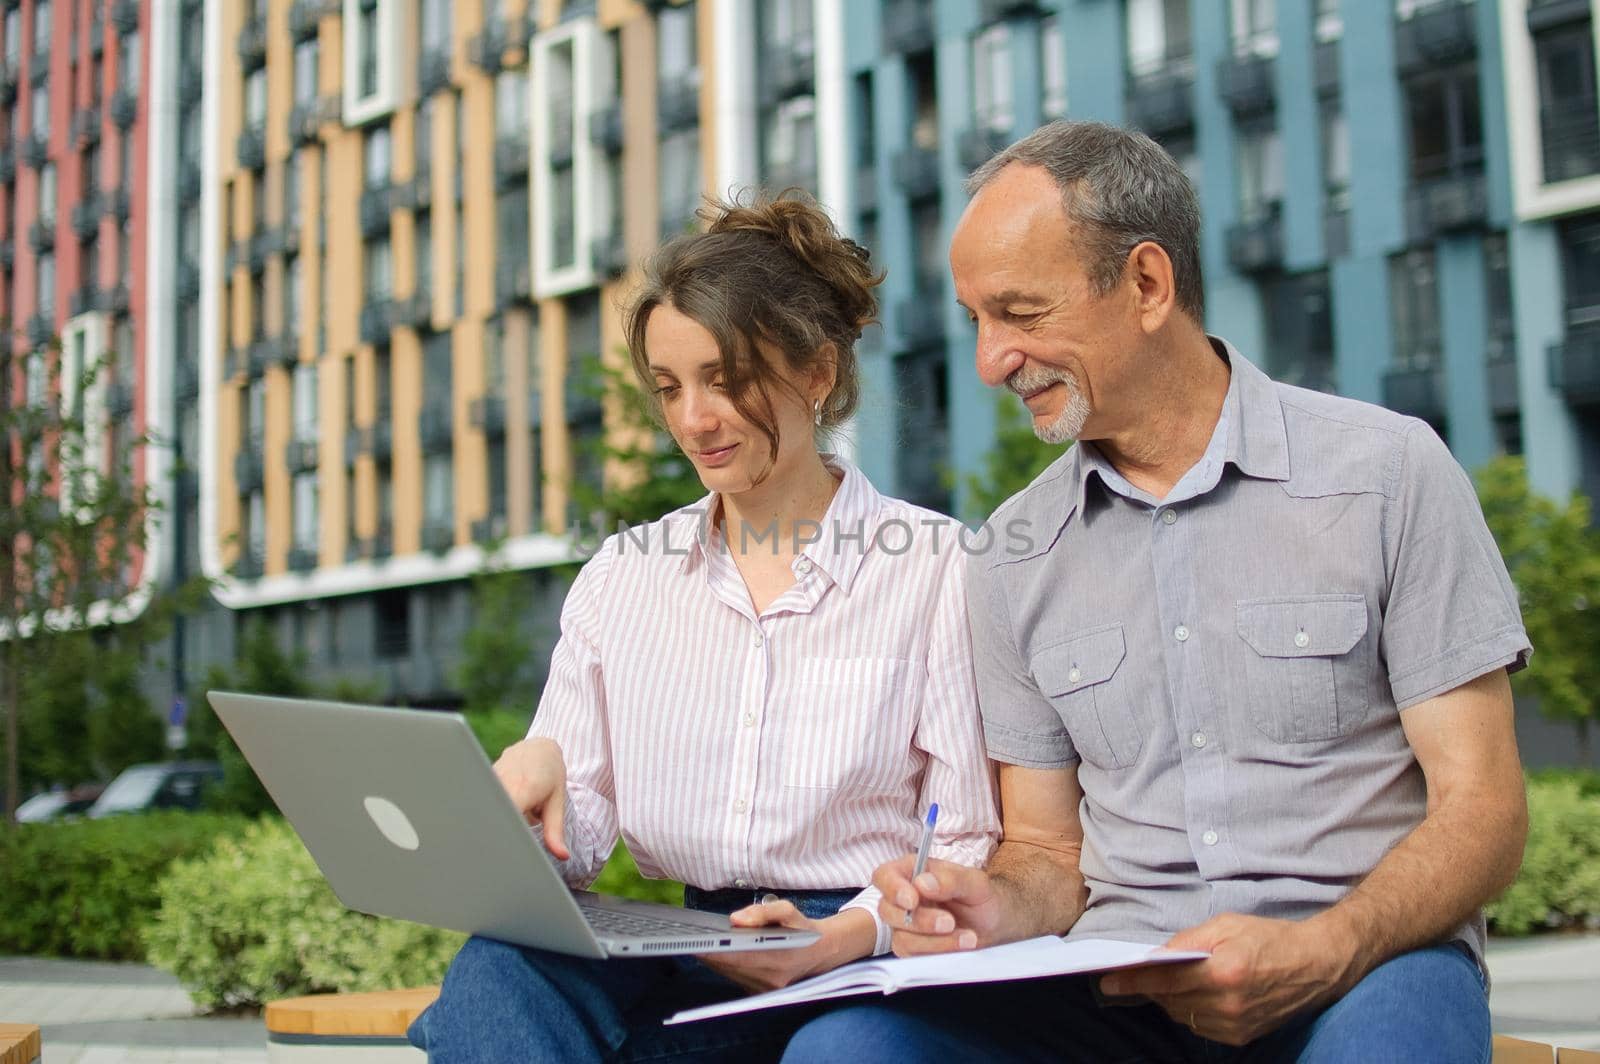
(1150, 269)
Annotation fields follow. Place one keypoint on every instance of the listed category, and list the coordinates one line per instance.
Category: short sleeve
(1452, 612)
(1020, 726)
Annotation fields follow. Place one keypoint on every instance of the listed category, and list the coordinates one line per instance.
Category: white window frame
(358, 109)
(583, 37)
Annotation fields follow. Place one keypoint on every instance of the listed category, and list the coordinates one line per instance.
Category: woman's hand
(535, 776)
(845, 937)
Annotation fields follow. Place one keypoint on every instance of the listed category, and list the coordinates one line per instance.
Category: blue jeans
(1431, 1005)
(505, 1004)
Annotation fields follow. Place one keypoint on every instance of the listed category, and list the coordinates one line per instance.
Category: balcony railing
(1418, 392)
(248, 566)
(35, 150)
(124, 108)
(1575, 366)
(376, 203)
(1571, 138)
(251, 148)
(249, 471)
(510, 158)
(978, 144)
(84, 298)
(86, 217)
(489, 529)
(435, 427)
(1439, 33)
(438, 535)
(115, 203)
(920, 318)
(302, 559)
(786, 72)
(1245, 83)
(8, 254)
(908, 26)
(1162, 102)
(916, 171)
(513, 281)
(376, 320)
(301, 455)
(1446, 204)
(413, 312)
(1255, 245)
(609, 252)
(605, 128)
(488, 413)
(415, 193)
(252, 43)
(678, 104)
(42, 234)
(433, 70)
(40, 329)
(8, 166)
(487, 48)
(86, 126)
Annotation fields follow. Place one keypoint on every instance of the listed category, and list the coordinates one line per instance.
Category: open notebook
(1034, 958)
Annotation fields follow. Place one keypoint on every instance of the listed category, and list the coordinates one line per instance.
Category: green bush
(1559, 885)
(84, 889)
(620, 876)
(253, 921)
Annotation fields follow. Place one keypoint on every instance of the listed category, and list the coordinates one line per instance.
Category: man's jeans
(504, 1004)
(1428, 1006)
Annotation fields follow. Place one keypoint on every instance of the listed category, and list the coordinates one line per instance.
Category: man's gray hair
(1119, 189)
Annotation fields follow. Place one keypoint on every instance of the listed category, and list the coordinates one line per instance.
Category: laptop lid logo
(394, 824)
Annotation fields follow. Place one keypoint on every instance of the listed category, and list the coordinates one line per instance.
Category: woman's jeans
(508, 1004)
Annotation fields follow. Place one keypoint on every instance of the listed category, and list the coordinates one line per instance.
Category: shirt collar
(838, 544)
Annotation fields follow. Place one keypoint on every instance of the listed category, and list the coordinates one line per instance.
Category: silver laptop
(405, 817)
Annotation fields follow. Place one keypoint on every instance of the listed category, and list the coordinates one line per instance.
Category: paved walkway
(1546, 989)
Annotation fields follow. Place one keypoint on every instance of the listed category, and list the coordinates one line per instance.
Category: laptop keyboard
(626, 923)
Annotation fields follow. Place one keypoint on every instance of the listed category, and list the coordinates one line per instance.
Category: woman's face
(729, 453)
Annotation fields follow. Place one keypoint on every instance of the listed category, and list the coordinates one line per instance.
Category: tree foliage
(1017, 457)
(650, 475)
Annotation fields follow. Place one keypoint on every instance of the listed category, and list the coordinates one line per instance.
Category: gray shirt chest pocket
(1084, 679)
(1306, 669)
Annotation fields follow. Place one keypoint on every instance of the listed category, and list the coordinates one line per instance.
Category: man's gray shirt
(1228, 665)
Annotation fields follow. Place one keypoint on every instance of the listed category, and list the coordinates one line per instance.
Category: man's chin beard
(1067, 425)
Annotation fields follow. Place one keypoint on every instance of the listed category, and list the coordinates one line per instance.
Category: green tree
(495, 652)
(1017, 457)
(657, 479)
(1553, 555)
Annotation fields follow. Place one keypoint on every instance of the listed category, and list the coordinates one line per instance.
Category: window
(255, 98)
(292, 308)
(1053, 67)
(46, 272)
(14, 37)
(438, 494)
(422, 136)
(255, 410)
(991, 77)
(1414, 299)
(293, 175)
(1158, 35)
(383, 368)
(1446, 123)
(436, 23)
(377, 157)
(511, 105)
(367, 43)
(1568, 124)
(41, 27)
(1580, 259)
(791, 142)
(379, 272)
(1299, 329)
(1255, 27)
(680, 179)
(1499, 321)
(787, 24)
(305, 511)
(91, 171)
(47, 194)
(305, 401)
(424, 251)
(39, 127)
(128, 57)
(511, 217)
(255, 536)
(1329, 21)
(1335, 158)
(305, 73)
(676, 53)
(258, 306)
(1260, 172)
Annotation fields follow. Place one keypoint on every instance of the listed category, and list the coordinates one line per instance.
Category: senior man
(1247, 686)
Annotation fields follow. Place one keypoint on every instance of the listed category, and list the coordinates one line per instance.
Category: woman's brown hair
(773, 275)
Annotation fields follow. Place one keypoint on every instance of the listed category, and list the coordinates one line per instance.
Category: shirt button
(749, 720)
(1197, 740)
(804, 565)
(1169, 517)
(1302, 640)
(1181, 633)
(741, 883)
(740, 806)
(1209, 838)
(758, 639)
(1074, 674)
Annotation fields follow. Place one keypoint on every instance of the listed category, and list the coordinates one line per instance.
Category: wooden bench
(19, 1043)
(1517, 1051)
(345, 1027)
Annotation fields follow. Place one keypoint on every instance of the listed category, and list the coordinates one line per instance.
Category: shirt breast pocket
(1306, 672)
(1084, 678)
(850, 725)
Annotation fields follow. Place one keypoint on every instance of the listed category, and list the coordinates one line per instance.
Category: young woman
(760, 693)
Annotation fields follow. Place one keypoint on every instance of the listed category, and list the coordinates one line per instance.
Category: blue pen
(924, 846)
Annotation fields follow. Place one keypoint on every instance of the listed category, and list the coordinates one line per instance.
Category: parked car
(164, 785)
(60, 804)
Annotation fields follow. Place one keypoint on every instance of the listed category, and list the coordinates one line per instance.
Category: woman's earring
(816, 409)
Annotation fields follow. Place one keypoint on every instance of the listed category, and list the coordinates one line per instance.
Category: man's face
(1042, 330)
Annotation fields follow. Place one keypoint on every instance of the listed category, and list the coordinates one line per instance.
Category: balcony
(786, 72)
(510, 158)
(251, 148)
(1245, 83)
(416, 192)
(866, 188)
(413, 312)
(189, 181)
(610, 254)
(114, 204)
(8, 166)
(302, 559)
(191, 83)
(252, 43)
(908, 26)
(1575, 366)
(1418, 392)
(97, 33)
(125, 15)
(35, 150)
(248, 469)
(990, 11)
(86, 217)
(42, 234)
(1255, 245)
(40, 330)
(433, 70)
(1505, 391)
(1445, 205)
(1571, 138)
(305, 122)
(1325, 68)
(488, 413)
(438, 535)
(8, 254)
(282, 350)
(489, 529)
(1440, 33)
(376, 203)
(248, 566)
(86, 127)
(678, 104)
(300, 455)
(920, 318)
(916, 171)
(8, 84)
(124, 108)
(84, 298)
(435, 427)
(513, 281)
(978, 144)
(376, 320)
(306, 15)
(487, 49)
(186, 380)
(605, 128)
(258, 355)
(1162, 102)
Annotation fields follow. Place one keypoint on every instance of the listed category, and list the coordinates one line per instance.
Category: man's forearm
(1041, 890)
(1460, 856)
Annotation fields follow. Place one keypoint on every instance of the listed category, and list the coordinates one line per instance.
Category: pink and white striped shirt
(797, 749)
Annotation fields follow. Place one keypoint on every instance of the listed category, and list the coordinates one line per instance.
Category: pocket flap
(1305, 626)
(1079, 661)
